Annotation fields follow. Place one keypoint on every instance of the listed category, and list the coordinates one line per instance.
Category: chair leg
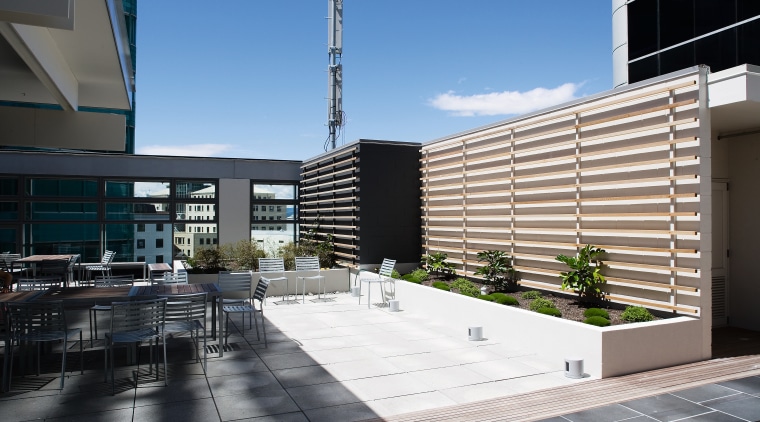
(257, 323)
(264, 328)
(63, 363)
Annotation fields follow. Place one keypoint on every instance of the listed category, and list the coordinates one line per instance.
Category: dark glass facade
(657, 27)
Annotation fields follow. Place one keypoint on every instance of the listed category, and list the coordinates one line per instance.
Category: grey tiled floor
(737, 400)
(328, 361)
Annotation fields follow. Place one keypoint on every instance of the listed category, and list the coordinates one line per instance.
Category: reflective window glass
(62, 211)
(274, 191)
(62, 187)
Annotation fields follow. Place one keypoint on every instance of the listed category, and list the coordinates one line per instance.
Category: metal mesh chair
(307, 269)
(187, 313)
(273, 270)
(105, 265)
(135, 322)
(172, 278)
(238, 285)
(38, 283)
(380, 278)
(102, 282)
(39, 322)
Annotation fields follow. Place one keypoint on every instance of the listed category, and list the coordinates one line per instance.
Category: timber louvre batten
(621, 171)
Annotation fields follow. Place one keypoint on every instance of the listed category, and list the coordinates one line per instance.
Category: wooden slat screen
(621, 172)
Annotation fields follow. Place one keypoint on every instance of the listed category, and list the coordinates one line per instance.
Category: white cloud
(507, 102)
(196, 150)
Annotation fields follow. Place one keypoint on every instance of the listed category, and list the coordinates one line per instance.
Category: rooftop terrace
(339, 360)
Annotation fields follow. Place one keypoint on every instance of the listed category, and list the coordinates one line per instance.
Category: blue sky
(248, 79)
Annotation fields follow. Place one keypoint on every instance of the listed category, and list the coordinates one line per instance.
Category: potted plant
(435, 263)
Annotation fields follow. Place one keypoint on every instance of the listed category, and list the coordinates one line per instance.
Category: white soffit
(88, 66)
(734, 98)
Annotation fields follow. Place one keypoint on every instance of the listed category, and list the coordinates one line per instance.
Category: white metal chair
(258, 295)
(237, 284)
(135, 322)
(40, 322)
(273, 270)
(187, 313)
(102, 282)
(380, 278)
(38, 283)
(307, 269)
(105, 265)
(172, 278)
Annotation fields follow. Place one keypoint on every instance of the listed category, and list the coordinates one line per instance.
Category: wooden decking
(564, 400)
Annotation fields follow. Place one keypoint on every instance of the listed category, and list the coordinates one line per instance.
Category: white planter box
(607, 352)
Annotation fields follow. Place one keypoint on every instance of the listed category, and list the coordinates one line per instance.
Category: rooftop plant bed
(583, 278)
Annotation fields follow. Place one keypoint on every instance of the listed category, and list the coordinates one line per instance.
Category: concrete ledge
(336, 280)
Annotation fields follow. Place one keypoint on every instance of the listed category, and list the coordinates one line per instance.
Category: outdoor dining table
(33, 260)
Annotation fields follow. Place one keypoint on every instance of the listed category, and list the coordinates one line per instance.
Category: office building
(655, 37)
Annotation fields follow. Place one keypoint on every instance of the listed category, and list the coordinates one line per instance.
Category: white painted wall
(744, 231)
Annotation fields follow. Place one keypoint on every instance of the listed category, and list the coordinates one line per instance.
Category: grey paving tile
(741, 405)
(263, 402)
(288, 360)
(177, 390)
(23, 409)
(186, 411)
(554, 419)
(91, 402)
(713, 416)
(749, 385)
(705, 392)
(322, 395)
(305, 375)
(221, 367)
(119, 415)
(243, 384)
(666, 407)
(610, 413)
(343, 413)
(282, 417)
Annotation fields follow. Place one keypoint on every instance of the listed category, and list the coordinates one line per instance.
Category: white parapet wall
(607, 352)
(336, 280)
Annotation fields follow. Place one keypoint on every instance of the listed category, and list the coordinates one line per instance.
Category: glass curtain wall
(149, 221)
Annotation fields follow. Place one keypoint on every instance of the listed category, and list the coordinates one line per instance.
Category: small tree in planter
(585, 277)
(498, 270)
(243, 255)
(436, 264)
(206, 261)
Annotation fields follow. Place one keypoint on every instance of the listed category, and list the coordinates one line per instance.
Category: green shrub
(441, 285)
(488, 298)
(550, 311)
(503, 299)
(420, 274)
(636, 314)
(597, 320)
(436, 263)
(585, 277)
(539, 303)
(532, 294)
(207, 261)
(395, 274)
(466, 287)
(411, 278)
(591, 312)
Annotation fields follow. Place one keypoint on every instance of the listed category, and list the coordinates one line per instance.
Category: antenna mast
(335, 69)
